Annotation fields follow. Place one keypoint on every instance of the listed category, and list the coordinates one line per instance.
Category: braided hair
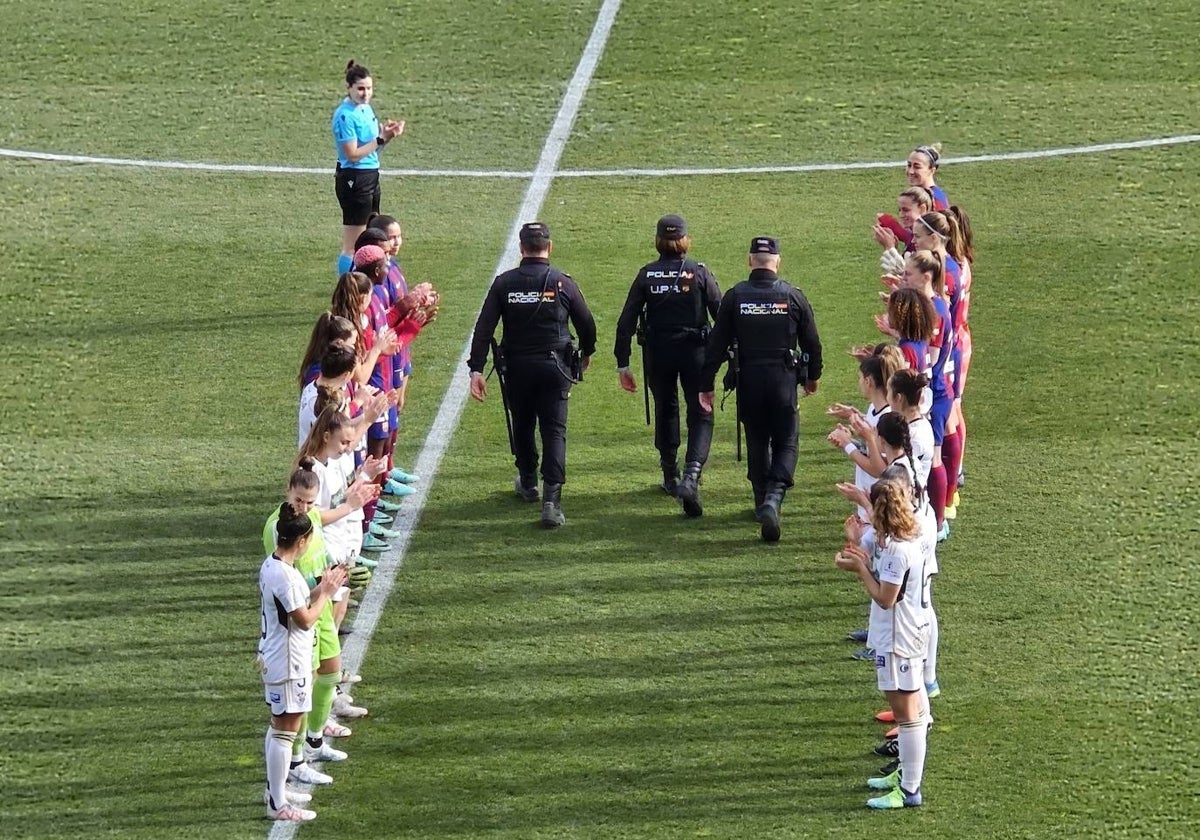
(893, 430)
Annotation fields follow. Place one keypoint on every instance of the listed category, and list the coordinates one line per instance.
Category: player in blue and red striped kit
(921, 170)
(396, 288)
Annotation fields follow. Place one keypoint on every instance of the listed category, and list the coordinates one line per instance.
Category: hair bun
(292, 525)
(307, 463)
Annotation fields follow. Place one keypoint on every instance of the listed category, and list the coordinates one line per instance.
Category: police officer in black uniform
(670, 303)
(535, 301)
(778, 349)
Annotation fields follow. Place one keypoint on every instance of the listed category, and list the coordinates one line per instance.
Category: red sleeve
(900, 231)
(407, 331)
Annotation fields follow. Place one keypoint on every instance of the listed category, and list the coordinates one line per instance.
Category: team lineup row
(342, 495)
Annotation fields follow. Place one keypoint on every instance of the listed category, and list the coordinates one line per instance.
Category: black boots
(670, 482)
(760, 493)
(552, 515)
(526, 487)
(767, 513)
(688, 491)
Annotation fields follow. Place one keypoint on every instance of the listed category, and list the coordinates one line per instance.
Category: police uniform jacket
(535, 301)
(768, 317)
(677, 296)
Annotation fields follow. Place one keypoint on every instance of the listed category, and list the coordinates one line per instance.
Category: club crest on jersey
(903, 667)
(753, 308)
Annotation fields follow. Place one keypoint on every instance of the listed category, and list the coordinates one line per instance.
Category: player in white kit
(285, 651)
(891, 565)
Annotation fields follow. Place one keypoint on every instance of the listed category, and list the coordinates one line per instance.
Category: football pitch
(636, 674)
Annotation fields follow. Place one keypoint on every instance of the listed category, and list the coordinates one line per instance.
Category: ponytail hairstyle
(292, 528)
(930, 262)
(893, 430)
(381, 223)
(326, 396)
(954, 239)
(350, 289)
(303, 477)
(329, 422)
(328, 329)
(891, 358)
(892, 511)
(966, 239)
(920, 197)
(871, 369)
(912, 315)
(908, 384)
(355, 72)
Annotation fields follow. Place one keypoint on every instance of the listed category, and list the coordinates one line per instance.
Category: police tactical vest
(762, 322)
(674, 298)
(535, 317)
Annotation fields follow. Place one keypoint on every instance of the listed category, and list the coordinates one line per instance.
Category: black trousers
(668, 367)
(537, 395)
(767, 399)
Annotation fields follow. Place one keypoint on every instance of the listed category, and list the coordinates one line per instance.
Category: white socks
(912, 754)
(931, 649)
(278, 750)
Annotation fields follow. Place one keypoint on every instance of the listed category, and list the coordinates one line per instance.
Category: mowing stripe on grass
(254, 168)
(446, 421)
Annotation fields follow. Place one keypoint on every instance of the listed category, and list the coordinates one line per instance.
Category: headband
(929, 228)
(929, 153)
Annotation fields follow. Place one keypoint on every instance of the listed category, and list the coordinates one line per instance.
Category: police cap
(764, 245)
(672, 227)
(535, 235)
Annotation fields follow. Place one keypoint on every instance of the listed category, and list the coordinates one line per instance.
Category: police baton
(730, 384)
(737, 401)
(500, 367)
(641, 340)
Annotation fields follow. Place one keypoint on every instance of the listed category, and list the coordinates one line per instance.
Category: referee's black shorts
(358, 192)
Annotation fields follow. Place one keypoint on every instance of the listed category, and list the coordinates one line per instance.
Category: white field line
(446, 421)
(253, 168)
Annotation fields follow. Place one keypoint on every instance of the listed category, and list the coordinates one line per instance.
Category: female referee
(358, 137)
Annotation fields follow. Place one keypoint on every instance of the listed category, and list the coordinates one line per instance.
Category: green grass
(635, 675)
